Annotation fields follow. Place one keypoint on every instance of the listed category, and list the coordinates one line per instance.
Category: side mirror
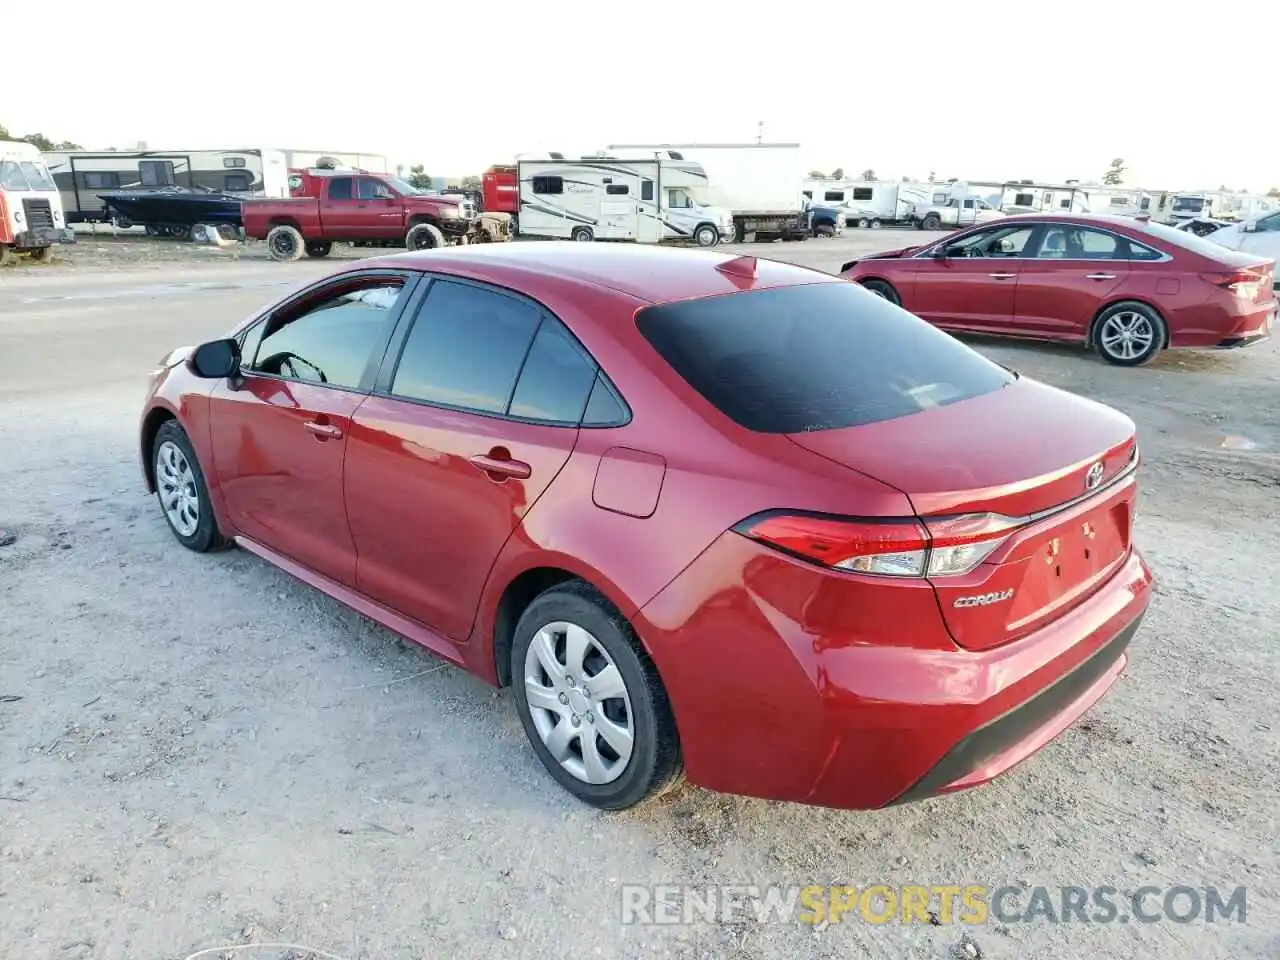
(216, 360)
(1250, 226)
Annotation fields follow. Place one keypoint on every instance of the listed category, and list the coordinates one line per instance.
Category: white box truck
(760, 184)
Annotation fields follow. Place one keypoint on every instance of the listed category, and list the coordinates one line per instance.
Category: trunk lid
(1023, 452)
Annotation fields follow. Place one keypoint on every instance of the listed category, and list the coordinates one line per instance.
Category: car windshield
(38, 176)
(819, 356)
(12, 177)
(402, 186)
(1189, 204)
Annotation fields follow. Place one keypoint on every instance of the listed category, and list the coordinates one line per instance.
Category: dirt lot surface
(197, 751)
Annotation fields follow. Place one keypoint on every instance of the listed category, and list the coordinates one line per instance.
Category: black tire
(655, 765)
(285, 243)
(824, 230)
(882, 288)
(863, 223)
(875, 223)
(1154, 325)
(42, 254)
(706, 236)
(932, 222)
(206, 536)
(583, 234)
(424, 236)
(319, 248)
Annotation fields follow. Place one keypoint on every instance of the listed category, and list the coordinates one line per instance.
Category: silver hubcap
(1127, 335)
(176, 487)
(579, 703)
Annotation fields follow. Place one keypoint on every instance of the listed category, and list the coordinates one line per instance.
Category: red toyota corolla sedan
(1127, 288)
(723, 516)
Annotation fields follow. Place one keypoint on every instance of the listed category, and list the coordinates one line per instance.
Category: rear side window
(815, 357)
(556, 379)
(340, 188)
(466, 348)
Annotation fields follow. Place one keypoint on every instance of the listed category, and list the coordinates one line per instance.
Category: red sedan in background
(1126, 287)
(723, 515)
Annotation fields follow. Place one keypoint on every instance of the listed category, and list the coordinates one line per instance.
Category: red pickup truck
(366, 209)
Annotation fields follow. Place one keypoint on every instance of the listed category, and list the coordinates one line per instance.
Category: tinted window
(603, 408)
(646, 189)
(814, 357)
(340, 188)
(466, 347)
(332, 341)
(556, 379)
(372, 189)
(863, 193)
(617, 189)
(998, 242)
(548, 185)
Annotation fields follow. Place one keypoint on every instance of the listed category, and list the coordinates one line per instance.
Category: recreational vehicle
(83, 176)
(870, 203)
(1044, 198)
(31, 218)
(645, 199)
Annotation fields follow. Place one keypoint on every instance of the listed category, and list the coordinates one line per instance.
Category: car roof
(644, 272)
(1078, 219)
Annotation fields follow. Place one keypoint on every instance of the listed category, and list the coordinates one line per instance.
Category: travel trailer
(870, 203)
(759, 184)
(1044, 198)
(82, 176)
(31, 217)
(641, 198)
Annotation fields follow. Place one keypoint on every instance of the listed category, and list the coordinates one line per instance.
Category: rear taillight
(937, 547)
(1245, 284)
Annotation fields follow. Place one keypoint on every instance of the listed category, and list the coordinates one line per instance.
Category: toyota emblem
(1094, 476)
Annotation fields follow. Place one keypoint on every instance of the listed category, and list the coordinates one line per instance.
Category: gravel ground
(199, 751)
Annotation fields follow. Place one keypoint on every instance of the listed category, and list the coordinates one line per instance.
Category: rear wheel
(1129, 334)
(591, 701)
(285, 242)
(824, 230)
(864, 223)
(882, 288)
(319, 248)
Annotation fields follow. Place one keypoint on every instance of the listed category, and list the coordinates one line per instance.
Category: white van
(31, 218)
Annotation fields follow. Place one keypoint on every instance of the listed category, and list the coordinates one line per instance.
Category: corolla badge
(983, 599)
(1094, 476)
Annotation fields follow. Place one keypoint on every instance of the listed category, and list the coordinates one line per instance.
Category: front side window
(814, 357)
(466, 347)
(678, 200)
(371, 189)
(996, 242)
(329, 341)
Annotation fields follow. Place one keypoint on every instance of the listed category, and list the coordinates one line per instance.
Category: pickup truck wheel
(824, 230)
(285, 243)
(932, 222)
(318, 248)
(424, 236)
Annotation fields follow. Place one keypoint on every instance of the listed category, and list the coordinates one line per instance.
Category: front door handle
(1002, 276)
(323, 431)
(1099, 276)
(501, 467)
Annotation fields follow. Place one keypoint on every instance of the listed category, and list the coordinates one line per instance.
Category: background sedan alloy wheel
(1129, 334)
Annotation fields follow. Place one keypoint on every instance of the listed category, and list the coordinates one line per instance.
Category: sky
(1187, 93)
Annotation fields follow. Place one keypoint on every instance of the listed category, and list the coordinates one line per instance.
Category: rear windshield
(815, 357)
(1205, 246)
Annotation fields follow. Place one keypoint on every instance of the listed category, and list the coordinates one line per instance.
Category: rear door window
(816, 357)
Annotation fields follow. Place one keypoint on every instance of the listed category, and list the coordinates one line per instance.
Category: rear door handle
(1099, 276)
(1002, 276)
(502, 467)
(323, 431)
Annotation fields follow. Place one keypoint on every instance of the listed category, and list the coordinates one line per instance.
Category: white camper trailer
(81, 175)
(645, 199)
(870, 203)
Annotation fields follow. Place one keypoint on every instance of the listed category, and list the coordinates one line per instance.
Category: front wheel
(1129, 334)
(424, 236)
(42, 254)
(591, 702)
(583, 234)
(706, 236)
(883, 289)
(824, 230)
(932, 222)
(181, 490)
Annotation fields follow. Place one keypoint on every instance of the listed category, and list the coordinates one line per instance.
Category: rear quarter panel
(302, 212)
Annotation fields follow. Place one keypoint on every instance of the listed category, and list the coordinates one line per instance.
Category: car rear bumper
(1254, 332)
(767, 708)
